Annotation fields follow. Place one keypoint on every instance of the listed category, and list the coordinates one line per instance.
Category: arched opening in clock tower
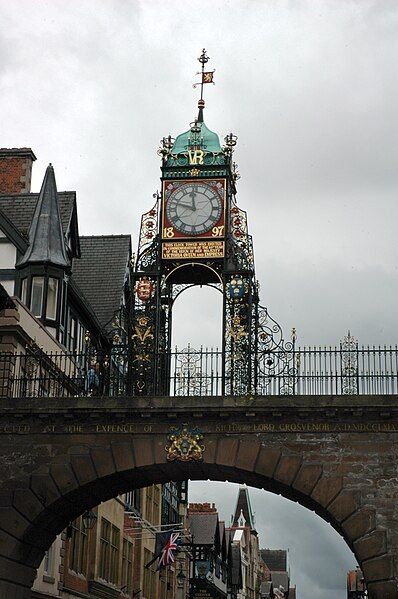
(197, 319)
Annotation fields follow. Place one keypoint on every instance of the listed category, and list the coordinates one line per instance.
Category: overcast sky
(310, 89)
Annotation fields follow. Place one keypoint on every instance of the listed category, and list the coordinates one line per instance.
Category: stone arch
(34, 510)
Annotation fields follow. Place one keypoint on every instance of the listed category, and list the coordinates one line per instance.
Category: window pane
(52, 294)
(36, 303)
(48, 561)
(72, 332)
(78, 545)
(24, 288)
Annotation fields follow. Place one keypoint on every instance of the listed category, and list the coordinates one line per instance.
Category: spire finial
(206, 77)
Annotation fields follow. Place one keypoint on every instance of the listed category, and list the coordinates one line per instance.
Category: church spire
(243, 512)
(46, 239)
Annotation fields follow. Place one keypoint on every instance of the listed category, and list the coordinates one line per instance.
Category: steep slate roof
(46, 237)
(100, 272)
(204, 528)
(20, 208)
(275, 559)
(243, 505)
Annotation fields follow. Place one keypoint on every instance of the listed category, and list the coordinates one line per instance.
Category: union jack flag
(168, 550)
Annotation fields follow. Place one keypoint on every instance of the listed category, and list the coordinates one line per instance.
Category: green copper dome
(206, 140)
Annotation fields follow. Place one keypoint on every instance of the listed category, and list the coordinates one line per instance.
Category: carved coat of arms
(184, 444)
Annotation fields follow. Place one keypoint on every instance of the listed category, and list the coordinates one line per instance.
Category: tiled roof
(19, 209)
(275, 559)
(100, 273)
(203, 528)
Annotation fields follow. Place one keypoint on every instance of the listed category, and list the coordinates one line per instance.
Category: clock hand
(185, 205)
(192, 195)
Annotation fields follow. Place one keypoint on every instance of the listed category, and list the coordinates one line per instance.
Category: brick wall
(15, 170)
(202, 508)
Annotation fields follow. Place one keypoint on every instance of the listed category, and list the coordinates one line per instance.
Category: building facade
(61, 300)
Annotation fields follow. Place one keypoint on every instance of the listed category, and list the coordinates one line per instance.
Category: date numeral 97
(217, 231)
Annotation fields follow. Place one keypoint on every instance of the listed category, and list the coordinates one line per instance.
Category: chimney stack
(15, 170)
(202, 508)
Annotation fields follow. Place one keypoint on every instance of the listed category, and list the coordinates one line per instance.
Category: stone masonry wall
(56, 463)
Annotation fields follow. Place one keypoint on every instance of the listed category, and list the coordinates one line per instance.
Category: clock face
(194, 208)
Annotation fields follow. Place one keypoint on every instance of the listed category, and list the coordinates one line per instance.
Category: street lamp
(89, 519)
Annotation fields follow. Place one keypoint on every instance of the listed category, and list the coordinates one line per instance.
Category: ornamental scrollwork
(349, 365)
(275, 356)
(149, 225)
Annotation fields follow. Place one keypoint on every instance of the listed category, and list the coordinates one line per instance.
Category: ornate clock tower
(196, 234)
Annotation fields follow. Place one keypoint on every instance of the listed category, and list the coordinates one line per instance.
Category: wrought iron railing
(344, 370)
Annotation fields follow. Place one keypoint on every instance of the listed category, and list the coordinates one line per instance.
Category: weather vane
(206, 77)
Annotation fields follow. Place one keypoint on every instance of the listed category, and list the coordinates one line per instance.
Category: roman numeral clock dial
(194, 208)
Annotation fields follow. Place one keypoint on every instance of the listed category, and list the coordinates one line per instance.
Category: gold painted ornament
(185, 444)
